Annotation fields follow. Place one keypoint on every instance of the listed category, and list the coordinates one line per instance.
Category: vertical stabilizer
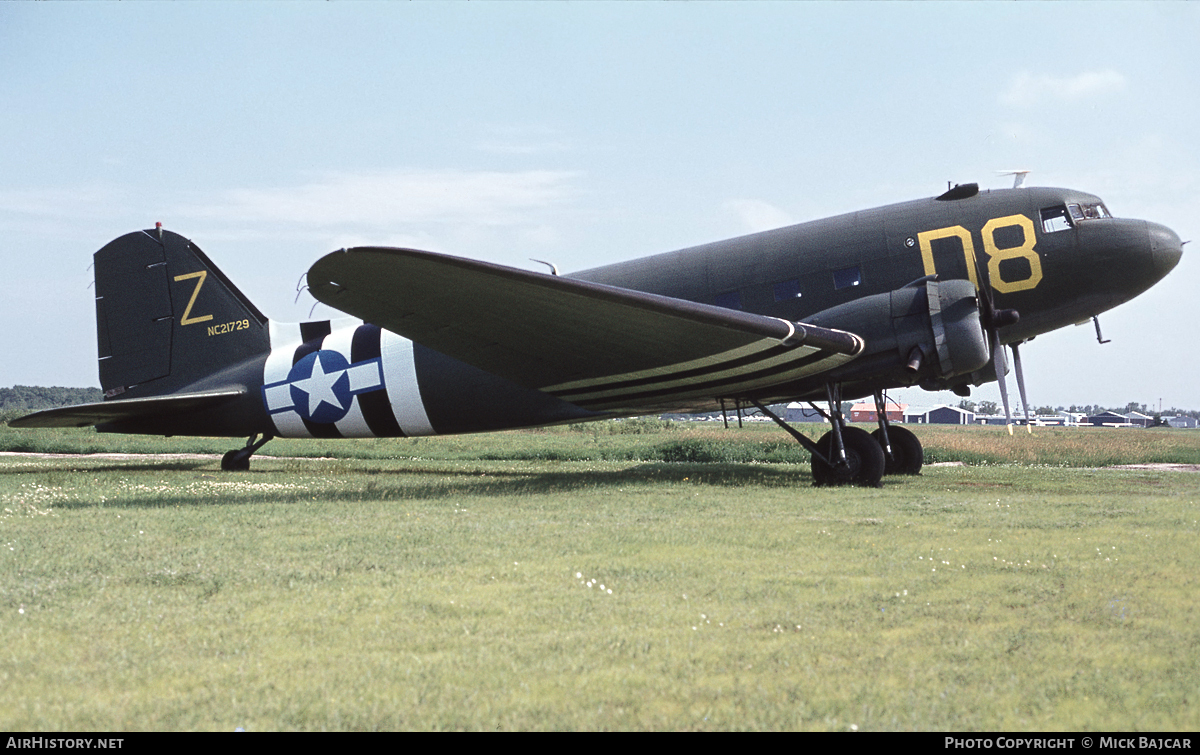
(168, 320)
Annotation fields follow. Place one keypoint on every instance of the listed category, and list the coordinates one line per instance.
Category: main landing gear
(852, 456)
(238, 460)
(902, 451)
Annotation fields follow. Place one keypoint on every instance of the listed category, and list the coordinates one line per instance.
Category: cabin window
(851, 276)
(1056, 219)
(729, 300)
(787, 290)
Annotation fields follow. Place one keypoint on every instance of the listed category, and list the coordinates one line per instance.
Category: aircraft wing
(600, 347)
(84, 415)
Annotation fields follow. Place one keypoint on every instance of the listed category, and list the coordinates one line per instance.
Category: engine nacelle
(958, 334)
(928, 332)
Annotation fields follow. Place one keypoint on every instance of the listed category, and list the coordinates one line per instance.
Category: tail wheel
(907, 454)
(864, 458)
(237, 460)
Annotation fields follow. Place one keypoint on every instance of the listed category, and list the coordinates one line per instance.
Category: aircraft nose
(1166, 247)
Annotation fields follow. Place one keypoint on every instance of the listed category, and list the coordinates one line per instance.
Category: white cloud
(1029, 89)
(758, 215)
(390, 199)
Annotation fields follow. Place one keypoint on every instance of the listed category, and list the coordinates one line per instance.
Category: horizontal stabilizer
(598, 346)
(84, 415)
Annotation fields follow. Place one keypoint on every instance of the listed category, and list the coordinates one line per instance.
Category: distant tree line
(991, 407)
(23, 399)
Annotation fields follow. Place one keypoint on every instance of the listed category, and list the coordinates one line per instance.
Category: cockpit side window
(1056, 219)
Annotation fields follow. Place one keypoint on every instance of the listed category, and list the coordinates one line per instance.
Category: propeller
(1021, 387)
(992, 320)
(1001, 368)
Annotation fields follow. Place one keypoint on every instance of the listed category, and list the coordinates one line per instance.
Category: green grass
(654, 440)
(419, 585)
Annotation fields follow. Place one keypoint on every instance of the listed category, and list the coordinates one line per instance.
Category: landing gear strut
(238, 460)
(844, 455)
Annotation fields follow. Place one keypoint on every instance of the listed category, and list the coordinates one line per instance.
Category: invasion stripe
(748, 350)
(741, 382)
(400, 372)
(695, 372)
(772, 357)
(353, 424)
(376, 406)
(284, 339)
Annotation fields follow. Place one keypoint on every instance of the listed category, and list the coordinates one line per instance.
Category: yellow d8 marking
(996, 255)
(955, 231)
(1026, 250)
(187, 319)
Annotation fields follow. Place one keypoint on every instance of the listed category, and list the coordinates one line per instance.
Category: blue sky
(582, 133)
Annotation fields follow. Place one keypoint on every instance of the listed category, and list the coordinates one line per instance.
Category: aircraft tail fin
(169, 321)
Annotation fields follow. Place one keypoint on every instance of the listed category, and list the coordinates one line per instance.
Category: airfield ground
(616, 576)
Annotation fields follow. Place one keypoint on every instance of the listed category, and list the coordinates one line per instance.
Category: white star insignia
(319, 387)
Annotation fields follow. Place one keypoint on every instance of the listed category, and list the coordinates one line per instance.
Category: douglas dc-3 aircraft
(922, 293)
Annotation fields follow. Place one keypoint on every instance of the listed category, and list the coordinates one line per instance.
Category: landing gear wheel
(907, 454)
(237, 460)
(864, 458)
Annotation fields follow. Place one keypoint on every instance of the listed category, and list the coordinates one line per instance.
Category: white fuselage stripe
(285, 337)
(400, 377)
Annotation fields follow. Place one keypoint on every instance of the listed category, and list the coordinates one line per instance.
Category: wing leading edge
(601, 347)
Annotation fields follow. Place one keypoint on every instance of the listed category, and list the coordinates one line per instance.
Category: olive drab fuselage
(183, 352)
(1056, 256)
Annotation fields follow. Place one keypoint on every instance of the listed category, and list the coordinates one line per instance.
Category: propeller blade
(1001, 369)
(992, 320)
(1021, 386)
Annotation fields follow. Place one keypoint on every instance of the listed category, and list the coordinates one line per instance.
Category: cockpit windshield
(1089, 211)
(1064, 217)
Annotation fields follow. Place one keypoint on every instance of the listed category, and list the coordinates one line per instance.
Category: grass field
(614, 576)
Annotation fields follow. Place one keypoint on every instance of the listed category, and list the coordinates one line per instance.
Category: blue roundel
(320, 387)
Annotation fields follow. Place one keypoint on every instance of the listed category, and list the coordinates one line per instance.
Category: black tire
(236, 461)
(907, 454)
(864, 459)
